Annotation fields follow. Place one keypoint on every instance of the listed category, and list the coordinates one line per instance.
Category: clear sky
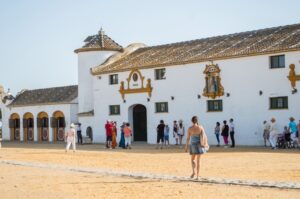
(38, 37)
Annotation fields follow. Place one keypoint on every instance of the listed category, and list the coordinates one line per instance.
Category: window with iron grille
(161, 107)
(277, 61)
(278, 102)
(214, 105)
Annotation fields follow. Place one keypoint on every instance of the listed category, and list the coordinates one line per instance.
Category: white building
(249, 76)
(39, 115)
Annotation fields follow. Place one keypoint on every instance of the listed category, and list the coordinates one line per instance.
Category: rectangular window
(278, 102)
(114, 110)
(214, 105)
(277, 61)
(113, 79)
(161, 107)
(160, 73)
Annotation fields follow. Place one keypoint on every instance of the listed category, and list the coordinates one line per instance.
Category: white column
(21, 130)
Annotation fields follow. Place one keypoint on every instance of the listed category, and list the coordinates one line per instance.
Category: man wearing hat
(70, 138)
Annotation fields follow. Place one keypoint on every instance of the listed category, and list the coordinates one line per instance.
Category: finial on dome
(101, 31)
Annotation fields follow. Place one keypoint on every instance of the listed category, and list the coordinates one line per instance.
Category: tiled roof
(56, 95)
(99, 42)
(264, 41)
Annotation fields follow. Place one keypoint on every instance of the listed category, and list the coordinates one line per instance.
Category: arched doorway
(43, 126)
(89, 132)
(139, 122)
(28, 126)
(14, 125)
(58, 124)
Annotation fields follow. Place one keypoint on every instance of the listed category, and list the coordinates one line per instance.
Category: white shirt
(274, 128)
(267, 126)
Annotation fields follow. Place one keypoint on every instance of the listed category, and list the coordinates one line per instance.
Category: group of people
(272, 133)
(196, 138)
(225, 131)
(163, 133)
(111, 135)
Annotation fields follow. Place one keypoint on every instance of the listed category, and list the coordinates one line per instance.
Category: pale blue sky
(38, 37)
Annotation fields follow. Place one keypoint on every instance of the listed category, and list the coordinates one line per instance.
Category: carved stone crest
(213, 87)
(135, 84)
(292, 76)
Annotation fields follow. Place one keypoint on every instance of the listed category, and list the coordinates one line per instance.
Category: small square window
(277, 61)
(114, 110)
(160, 73)
(161, 107)
(113, 79)
(214, 106)
(279, 103)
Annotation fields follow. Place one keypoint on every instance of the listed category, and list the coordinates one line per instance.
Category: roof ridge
(218, 36)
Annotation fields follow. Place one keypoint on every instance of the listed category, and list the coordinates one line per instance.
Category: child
(166, 135)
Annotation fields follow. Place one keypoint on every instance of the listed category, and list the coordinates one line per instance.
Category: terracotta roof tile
(264, 41)
(56, 95)
(99, 42)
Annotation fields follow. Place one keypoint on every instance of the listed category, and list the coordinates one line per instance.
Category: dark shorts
(108, 138)
(166, 137)
(160, 138)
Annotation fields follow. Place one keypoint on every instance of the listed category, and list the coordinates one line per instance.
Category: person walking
(197, 139)
(160, 134)
(122, 139)
(114, 143)
(166, 135)
(273, 133)
(217, 132)
(70, 138)
(127, 134)
(266, 133)
(175, 131)
(225, 130)
(298, 132)
(79, 135)
(181, 132)
(292, 128)
(231, 131)
(108, 129)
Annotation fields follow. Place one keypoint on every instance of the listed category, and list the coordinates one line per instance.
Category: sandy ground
(241, 163)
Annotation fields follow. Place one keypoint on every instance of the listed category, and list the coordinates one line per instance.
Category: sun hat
(72, 125)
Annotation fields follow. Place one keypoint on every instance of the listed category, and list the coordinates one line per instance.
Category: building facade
(245, 76)
(249, 76)
(39, 115)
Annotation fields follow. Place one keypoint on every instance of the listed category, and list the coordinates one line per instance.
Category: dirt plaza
(42, 171)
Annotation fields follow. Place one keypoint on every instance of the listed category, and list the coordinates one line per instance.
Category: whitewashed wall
(87, 60)
(67, 109)
(243, 78)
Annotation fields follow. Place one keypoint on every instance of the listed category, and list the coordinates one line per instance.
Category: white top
(180, 130)
(70, 135)
(274, 128)
(267, 126)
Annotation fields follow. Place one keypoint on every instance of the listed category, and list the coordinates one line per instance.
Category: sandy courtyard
(258, 164)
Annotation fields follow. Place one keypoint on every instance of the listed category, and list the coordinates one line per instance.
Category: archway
(58, 124)
(139, 122)
(89, 132)
(43, 126)
(14, 125)
(28, 127)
